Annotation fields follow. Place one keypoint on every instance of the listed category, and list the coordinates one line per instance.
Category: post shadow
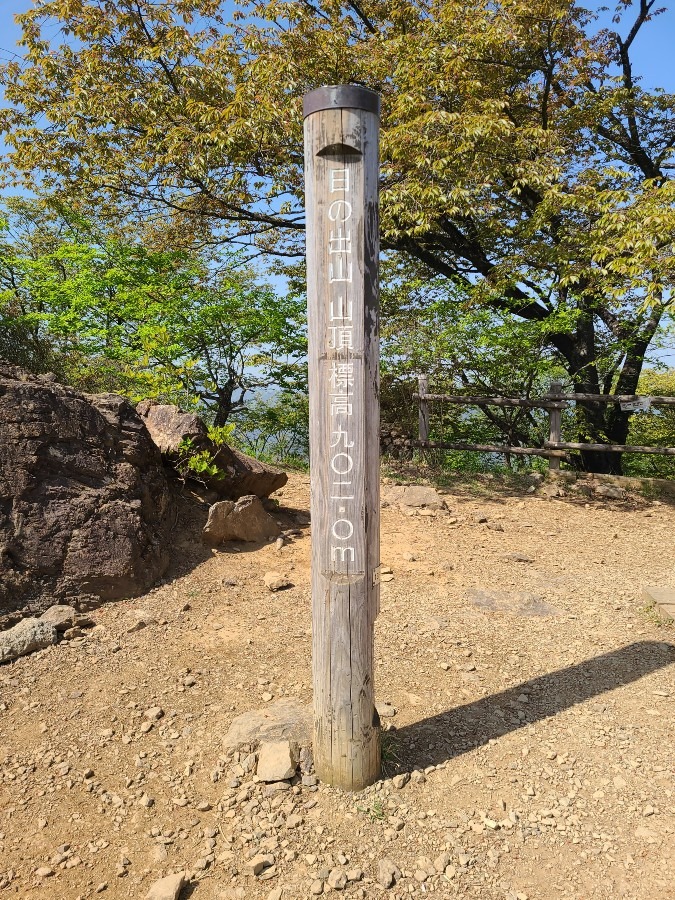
(442, 737)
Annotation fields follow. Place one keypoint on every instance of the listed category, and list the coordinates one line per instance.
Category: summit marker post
(341, 180)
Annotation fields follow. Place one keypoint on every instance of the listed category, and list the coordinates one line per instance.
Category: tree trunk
(223, 407)
(607, 422)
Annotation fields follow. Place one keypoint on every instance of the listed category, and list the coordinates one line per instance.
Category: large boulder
(26, 637)
(243, 520)
(85, 506)
(241, 474)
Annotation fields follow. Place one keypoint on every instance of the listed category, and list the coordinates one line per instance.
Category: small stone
(167, 888)
(387, 873)
(337, 879)
(277, 761)
(400, 781)
(354, 874)
(276, 894)
(146, 801)
(275, 581)
(141, 619)
(309, 780)
(146, 727)
(44, 872)
(74, 632)
(154, 714)
(254, 866)
(317, 888)
(418, 777)
(385, 710)
(442, 862)
(103, 886)
(306, 760)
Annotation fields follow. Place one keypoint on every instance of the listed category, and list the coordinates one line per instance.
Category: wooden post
(341, 179)
(423, 388)
(555, 421)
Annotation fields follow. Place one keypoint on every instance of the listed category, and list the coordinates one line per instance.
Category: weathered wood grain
(341, 173)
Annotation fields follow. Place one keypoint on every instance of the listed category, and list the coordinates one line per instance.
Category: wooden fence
(555, 402)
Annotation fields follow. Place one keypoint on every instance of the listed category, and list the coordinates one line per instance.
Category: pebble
(400, 781)
(275, 581)
(167, 888)
(337, 879)
(44, 872)
(387, 873)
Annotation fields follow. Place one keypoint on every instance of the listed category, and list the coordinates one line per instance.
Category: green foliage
(180, 326)
(522, 160)
(655, 428)
(199, 463)
(432, 327)
(374, 810)
(275, 429)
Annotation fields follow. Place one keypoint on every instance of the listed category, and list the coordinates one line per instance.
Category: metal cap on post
(341, 177)
(341, 96)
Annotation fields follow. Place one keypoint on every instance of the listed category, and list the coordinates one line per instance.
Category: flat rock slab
(663, 598)
(517, 603)
(282, 720)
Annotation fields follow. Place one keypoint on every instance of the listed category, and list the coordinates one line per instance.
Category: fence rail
(554, 401)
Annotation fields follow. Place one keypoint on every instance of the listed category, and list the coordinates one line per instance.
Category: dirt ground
(534, 697)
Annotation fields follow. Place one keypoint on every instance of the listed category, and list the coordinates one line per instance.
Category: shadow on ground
(444, 736)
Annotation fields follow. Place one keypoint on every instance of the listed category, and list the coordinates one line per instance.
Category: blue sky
(653, 51)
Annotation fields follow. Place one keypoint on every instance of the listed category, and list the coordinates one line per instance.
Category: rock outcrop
(241, 475)
(85, 506)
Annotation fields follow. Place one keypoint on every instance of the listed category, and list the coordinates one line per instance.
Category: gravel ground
(534, 699)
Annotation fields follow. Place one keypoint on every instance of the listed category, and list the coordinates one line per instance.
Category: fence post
(341, 179)
(422, 389)
(554, 427)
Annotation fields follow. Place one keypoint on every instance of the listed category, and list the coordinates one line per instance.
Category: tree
(430, 329)
(172, 325)
(655, 428)
(521, 157)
